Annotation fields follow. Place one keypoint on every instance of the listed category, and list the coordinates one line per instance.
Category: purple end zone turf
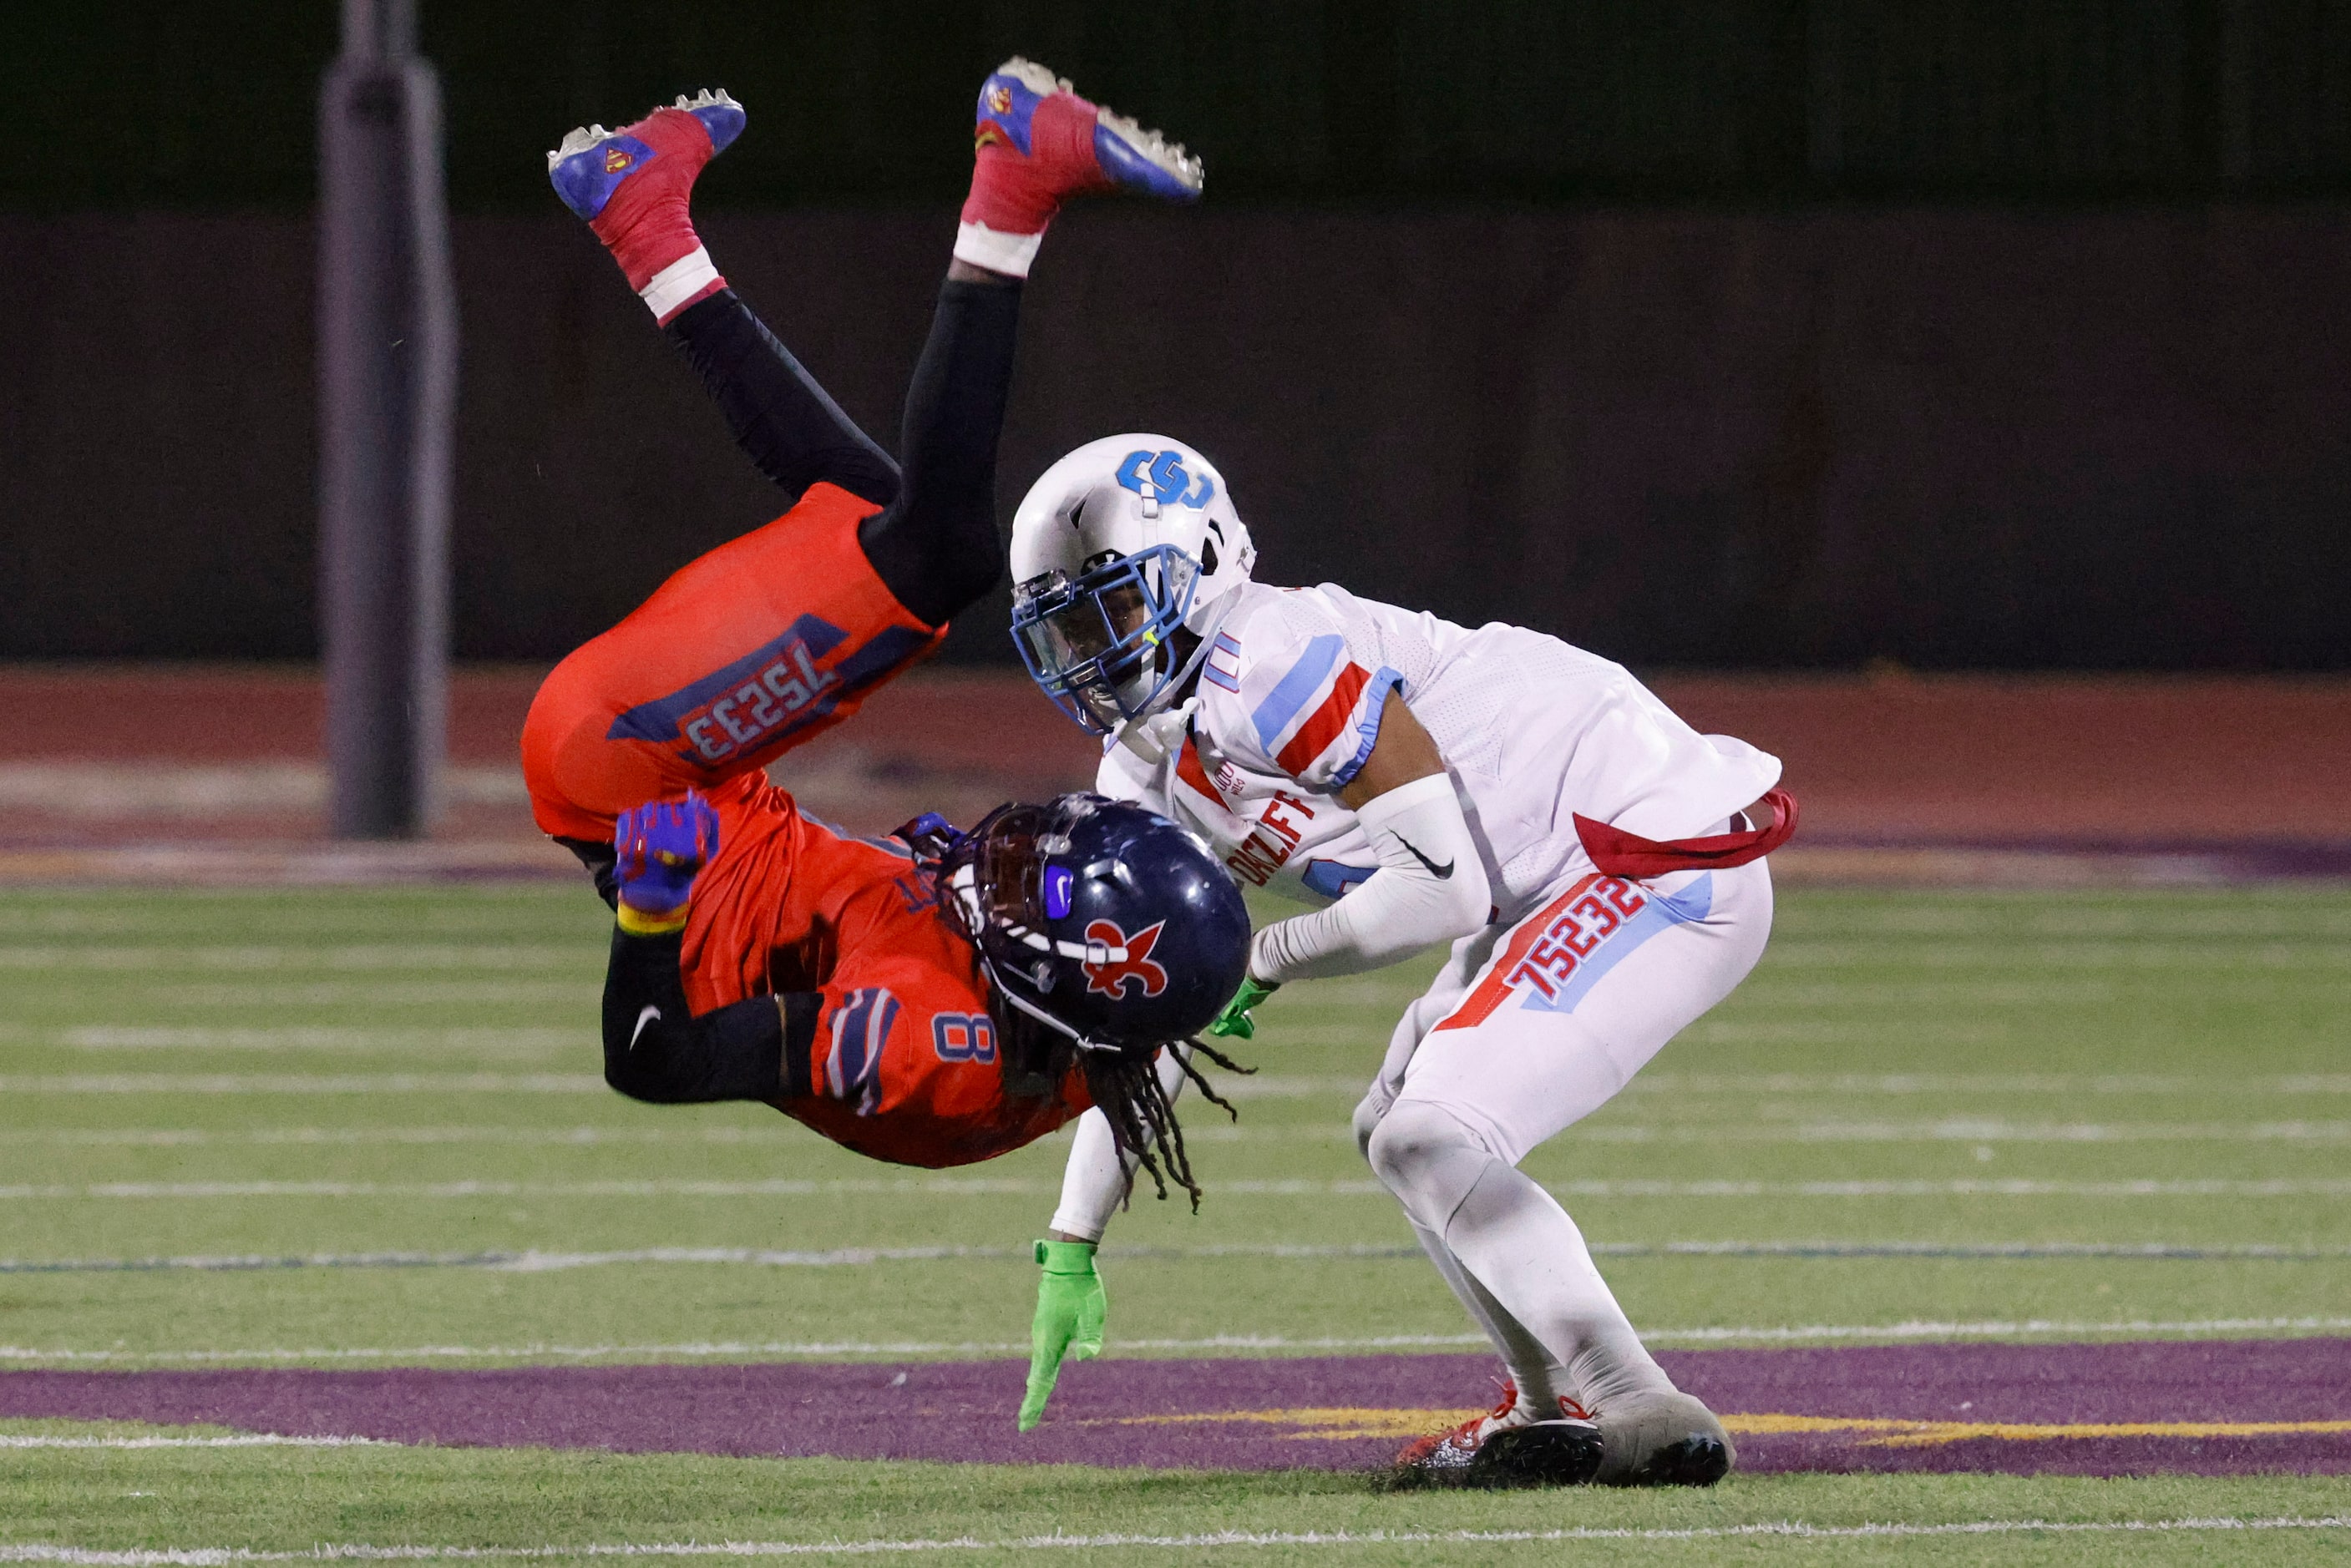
(1969, 1407)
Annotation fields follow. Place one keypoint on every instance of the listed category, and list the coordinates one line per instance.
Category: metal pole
(387, 397)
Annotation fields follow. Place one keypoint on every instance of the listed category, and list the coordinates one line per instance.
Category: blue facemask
(1099, 644)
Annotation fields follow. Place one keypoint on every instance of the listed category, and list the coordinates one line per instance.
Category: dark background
(1699, 331)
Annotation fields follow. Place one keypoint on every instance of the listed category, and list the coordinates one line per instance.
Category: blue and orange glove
(1071, 1307)
(660, 848)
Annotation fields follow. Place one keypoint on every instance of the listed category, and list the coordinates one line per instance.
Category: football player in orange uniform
(943, 997)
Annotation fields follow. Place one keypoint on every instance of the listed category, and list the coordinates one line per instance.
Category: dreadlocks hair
(1143, 1122)
(1124, 1083)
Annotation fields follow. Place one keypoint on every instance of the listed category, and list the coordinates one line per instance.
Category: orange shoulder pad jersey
(904, 1066)
(741, 656)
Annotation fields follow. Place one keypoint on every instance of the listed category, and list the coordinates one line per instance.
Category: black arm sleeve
(657, 1049)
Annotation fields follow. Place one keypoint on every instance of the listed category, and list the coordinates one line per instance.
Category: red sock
(1014, 195)
(648, 226)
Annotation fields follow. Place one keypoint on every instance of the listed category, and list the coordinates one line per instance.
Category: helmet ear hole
(1208, 556)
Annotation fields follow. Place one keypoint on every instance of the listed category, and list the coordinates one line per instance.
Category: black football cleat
(1565, 1452)
(1490, 1451)
(1661, 1439)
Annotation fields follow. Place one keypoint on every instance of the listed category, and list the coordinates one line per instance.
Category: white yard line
(979, 1186)
(1736, 1031)
(2143, 1187)
(369, 957)
(780, 1187)
(722, 1350)
(499, 1041)
(260, 997)
(532, 1261)
(1960, 1130)
(2008, 958)
(2295, 1084)
(2147, 1187)
(1789, 955)
(1223, 1539)
(2277, 909)
(167, 1137)
(526, 1262)
(241, 1440)
(2301, 1085)
(738, 1350)
(1766, 990)
(2195, 1328)
(303, 1084)
(1964, 1130)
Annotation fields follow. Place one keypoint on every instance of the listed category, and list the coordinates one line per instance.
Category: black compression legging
(934, 544)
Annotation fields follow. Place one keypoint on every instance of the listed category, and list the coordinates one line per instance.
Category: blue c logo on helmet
(1167, 478)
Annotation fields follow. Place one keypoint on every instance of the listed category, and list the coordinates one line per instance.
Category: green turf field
(1909, 1084)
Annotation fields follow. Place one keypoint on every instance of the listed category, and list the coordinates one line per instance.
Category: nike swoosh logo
(1442, 873)
(647, 1016)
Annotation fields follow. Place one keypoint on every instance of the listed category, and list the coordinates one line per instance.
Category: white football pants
(1528, 1029)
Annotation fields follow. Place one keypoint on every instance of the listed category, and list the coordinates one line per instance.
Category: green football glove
(1235, 1020)
(1069, 1322)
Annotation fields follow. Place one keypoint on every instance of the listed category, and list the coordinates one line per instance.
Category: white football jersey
(1533, 730)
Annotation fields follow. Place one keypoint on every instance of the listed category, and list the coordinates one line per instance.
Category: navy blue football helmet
(1111, 926)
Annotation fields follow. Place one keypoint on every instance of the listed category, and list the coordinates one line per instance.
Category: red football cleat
(633, 185)
(1036, 143)
(1507, 1449)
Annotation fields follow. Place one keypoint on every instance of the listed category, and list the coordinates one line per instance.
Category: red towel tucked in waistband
(1621, 854)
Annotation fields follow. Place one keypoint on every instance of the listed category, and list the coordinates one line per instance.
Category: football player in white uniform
(1596, 864)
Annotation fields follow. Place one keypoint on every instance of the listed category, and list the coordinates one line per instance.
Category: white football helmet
(1116, 548)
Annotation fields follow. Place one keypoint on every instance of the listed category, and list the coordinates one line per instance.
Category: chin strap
(1156, 736)
(1023, 1005)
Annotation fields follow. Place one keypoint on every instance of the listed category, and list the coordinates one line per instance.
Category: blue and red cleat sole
(1128, 155)
(592, 161)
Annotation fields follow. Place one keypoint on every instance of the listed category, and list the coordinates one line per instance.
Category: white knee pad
(1428, 1157)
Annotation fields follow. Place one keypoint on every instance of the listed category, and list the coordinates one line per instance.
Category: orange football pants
(753, 649)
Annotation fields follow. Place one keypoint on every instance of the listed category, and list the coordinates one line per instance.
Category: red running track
(1910, 759)
(159, 773)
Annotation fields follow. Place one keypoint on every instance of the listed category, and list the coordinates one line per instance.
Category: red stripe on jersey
(1322, 726)
(1495, 989)
(1189, 769)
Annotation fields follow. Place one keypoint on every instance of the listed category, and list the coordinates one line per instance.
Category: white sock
(1012, 255)
(678, 285)
(1515, 1238)
(1512, 1238)
(1529, 1363)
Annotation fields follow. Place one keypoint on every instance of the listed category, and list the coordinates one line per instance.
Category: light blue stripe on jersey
(1374, 700)
(1297, 688)
(1332, 878)
(1661, 913)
